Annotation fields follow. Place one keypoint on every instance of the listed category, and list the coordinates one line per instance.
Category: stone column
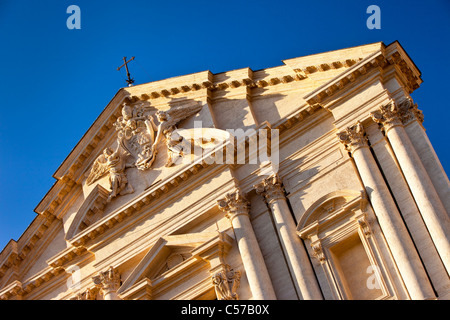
(434, 214)
(297, 258)
(109, 282)
(389, 218)
(236, 207)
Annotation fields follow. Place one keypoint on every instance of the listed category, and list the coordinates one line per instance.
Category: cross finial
(130, 81)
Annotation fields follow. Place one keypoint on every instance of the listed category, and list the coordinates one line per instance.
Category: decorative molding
(65, 257)
(39, 279)
(14, 289)
(393, 55)
(16, 251)
(346, 78)
(329, 208)
(317, 251)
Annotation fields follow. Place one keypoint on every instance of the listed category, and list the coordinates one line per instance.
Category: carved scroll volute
(226, 282)
(393, 114)
(271, 188)
(234, 204)
(353, 137)
(317, 251)
(108, 282)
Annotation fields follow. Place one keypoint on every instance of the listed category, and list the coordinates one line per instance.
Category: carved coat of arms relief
(137, 139)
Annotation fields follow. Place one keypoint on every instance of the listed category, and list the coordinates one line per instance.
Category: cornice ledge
(63, 258)
(40, 278)
(16, 251)
(11, 290)
(8, 257)
(166, 88)
(296, 116)
(215, 82)
(376, 59)
(393, 54)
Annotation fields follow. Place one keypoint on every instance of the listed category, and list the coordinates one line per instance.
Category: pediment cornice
(16, 251)
(206, 250)
(392, 55)
(90, 211)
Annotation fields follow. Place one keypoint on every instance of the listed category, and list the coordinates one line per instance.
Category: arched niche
(342, 239)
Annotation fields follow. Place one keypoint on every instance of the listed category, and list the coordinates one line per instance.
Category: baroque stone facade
(311, 180)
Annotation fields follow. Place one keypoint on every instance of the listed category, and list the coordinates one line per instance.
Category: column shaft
(254, 265)
(393, 116)
(295, 253)
(430, 206)
(389, 218)
(237, 207)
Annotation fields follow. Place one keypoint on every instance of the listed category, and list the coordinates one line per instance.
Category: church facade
(313, 180)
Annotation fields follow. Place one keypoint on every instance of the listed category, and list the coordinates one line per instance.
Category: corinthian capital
(234, 204)
(108, 280)
(409, 111)
(271, 188)
(394, 114)
(353, 137)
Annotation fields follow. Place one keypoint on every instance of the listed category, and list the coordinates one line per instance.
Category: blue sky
(54, 82)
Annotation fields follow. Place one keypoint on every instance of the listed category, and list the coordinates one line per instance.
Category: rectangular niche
(354, 270)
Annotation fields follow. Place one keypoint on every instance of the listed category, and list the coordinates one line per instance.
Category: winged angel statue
(137, 139)
(177, 144)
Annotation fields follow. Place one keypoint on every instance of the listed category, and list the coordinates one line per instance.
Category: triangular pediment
(195, 88)
(172, 259)
(319, 72)
(90, 211)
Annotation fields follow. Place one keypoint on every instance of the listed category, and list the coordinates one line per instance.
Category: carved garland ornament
(137, 139)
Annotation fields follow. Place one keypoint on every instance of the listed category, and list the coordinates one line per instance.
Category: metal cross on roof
(130, 81)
